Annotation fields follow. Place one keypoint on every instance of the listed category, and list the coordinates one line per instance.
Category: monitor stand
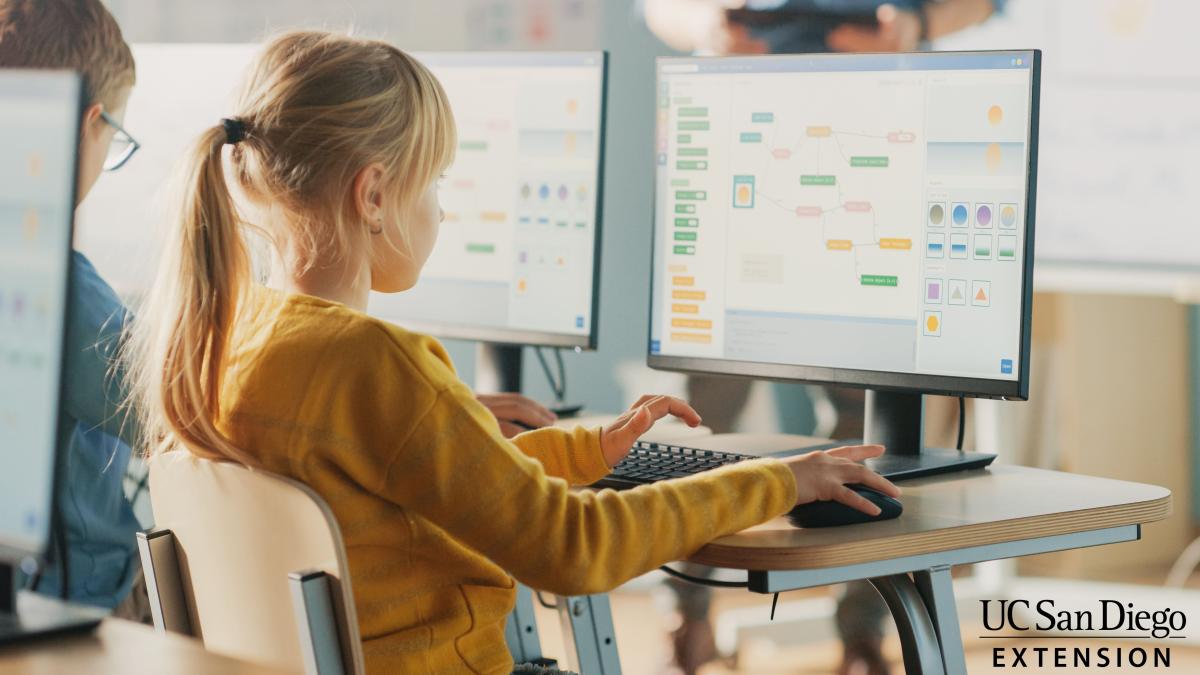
(897, 422)
(26, 615)
(498, 369)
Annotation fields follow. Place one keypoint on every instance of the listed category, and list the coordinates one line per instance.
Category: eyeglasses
(122, 147)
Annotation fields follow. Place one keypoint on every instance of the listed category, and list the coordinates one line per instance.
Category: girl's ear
(368, 194)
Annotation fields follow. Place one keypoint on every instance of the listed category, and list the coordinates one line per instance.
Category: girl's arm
(574, 456)
(457, 471)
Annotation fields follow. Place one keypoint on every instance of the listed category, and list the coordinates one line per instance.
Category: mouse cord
(559, 385)
(962, 421)
(704, 582)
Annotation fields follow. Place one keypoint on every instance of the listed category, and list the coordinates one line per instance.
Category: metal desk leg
(588, 634)
(918, 637)
(937, 591)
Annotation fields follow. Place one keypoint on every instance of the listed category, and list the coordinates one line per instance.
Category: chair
(253, 564)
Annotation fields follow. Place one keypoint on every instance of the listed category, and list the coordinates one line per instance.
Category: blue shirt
(95, 437)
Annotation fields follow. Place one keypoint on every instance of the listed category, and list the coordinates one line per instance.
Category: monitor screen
(516, 259)
(39, 124)
(853, 219)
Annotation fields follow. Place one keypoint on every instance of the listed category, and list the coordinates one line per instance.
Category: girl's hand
(823, 476)
(617, 438)
(516, 413)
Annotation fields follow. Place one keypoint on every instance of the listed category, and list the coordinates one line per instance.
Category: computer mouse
(833, 514)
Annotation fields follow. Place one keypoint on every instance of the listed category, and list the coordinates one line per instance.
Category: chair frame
(586, 621)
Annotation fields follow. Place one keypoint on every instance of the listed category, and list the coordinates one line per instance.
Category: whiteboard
(181, 91)
(1119, 157)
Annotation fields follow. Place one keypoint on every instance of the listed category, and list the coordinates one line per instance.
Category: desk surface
(118, 648)
(952, 511)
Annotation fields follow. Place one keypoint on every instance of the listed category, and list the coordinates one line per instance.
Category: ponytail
(191, 311)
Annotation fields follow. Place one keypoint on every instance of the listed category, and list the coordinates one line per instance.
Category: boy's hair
(317, 109)
(77, 35)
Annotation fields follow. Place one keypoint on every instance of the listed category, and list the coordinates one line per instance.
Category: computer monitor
(39, 131)
(862, 220)
(517, 258)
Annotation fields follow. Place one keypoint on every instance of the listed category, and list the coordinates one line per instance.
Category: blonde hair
(317, 109)
(78, 35)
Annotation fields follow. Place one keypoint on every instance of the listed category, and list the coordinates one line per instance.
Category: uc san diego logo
(1082, 633)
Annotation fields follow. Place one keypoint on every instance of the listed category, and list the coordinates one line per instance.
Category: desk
(953, 519)
(119, 648)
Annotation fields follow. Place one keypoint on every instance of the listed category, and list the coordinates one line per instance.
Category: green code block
(683, 100)
(761, 117)
(878, 280)
(481, 248)
(691, 164)
(473, 145)
(685, 236)
(687, 222)
(685, 208)
(693, 111)
(685, 250)
(692, 152)
(877, 162)
(818, 179)
(683, 138)
(679, 182)
(693, 125)
(750, 137)
(691, 195)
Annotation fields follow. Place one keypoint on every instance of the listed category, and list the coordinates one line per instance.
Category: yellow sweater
(437, 509)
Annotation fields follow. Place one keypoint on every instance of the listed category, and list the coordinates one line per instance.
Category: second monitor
(516, 260)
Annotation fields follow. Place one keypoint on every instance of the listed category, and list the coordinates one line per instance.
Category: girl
(337, 149)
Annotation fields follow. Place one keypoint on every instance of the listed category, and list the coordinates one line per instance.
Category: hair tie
(235, 130)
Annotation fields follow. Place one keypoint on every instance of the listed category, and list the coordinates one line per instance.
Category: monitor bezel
(514, 336)
(1013, 390)
(11, 551)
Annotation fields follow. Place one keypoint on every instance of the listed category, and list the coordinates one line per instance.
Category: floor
(643, 620)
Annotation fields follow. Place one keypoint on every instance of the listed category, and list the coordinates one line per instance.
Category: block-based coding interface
(859, 212)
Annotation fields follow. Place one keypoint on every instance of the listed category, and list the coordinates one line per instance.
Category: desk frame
(920, 595)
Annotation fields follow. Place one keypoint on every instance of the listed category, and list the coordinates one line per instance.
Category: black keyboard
(649, 462)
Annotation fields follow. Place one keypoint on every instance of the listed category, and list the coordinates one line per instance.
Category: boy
(95, 535)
